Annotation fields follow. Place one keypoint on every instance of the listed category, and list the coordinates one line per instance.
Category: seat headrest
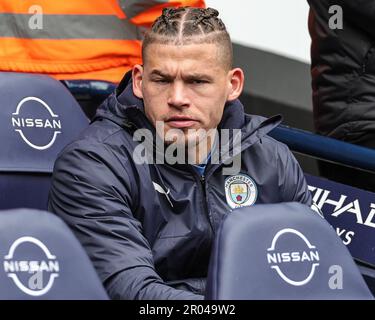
(38, 117)
(281, 251)
(42, 259)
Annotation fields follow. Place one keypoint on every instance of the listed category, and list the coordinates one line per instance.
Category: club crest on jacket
(240, 191)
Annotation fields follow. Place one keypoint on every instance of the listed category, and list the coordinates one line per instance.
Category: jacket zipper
(202, 180)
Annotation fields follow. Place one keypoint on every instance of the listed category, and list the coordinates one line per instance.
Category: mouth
(181, 121)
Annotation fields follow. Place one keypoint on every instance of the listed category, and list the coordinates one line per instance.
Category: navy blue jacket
(148, 228)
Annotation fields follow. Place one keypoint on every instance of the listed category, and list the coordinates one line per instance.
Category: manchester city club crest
(240, 191)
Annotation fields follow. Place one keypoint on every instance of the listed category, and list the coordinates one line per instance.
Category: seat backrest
(281, 251)
(38, 117)
(42, 259)
(90, 93)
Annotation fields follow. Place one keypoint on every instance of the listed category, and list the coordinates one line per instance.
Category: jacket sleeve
(92, 192)
(144, 12)
(292, 182)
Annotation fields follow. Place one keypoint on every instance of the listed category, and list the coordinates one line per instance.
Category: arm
(144, 12)
(92, 192)
(292, 181)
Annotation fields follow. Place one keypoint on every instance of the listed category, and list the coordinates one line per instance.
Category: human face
(185, 86)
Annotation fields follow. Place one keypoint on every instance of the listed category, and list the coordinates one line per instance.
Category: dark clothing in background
(343, 80)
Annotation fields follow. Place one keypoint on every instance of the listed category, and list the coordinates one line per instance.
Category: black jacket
(149, 228)
(343, 69)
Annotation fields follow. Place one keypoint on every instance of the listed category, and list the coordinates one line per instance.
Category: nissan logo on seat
(295, 266)
(33, 115)
(31, 266)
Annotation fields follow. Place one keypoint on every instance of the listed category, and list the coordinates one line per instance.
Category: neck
(198, 153)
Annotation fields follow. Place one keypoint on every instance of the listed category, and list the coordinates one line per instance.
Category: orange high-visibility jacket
(76, 39)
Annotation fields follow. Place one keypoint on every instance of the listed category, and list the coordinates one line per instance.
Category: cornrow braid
(207, 18)
(187, 21)
(188, 25)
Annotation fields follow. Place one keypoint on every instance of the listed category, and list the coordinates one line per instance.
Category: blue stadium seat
(42, 259)
(349, 210)
(281, 251)
(90, 93)
(38, 117)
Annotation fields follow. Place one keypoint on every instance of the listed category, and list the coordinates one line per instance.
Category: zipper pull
(202, 179)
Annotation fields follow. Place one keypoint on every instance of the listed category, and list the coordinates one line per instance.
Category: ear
(236, 81)
(137, 76)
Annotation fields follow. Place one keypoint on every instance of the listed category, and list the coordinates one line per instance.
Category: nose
(177, 96)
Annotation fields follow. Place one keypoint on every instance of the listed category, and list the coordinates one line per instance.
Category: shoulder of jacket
(104, 146)
(99, 134)
(277, 146)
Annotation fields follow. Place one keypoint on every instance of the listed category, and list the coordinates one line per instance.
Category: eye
(199, 81)
(161, 80)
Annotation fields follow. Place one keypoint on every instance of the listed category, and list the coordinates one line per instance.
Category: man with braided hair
(148, 223)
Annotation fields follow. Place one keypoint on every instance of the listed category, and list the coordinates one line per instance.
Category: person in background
(343, 79)
(148, 226)
(75, 40)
